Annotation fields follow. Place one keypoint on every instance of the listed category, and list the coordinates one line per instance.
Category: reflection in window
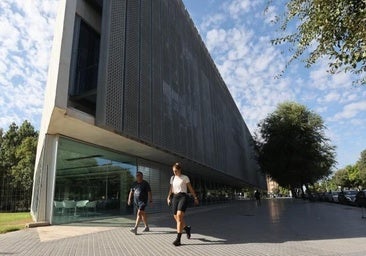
(90, 182)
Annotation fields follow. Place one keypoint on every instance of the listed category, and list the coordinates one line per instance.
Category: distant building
(131, 86)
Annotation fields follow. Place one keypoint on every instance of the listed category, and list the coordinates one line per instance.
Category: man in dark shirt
(141, 193)
(257, 196)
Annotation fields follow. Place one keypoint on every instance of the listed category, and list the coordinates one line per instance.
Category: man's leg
(138, 218)
(143, 216)
(137, 222)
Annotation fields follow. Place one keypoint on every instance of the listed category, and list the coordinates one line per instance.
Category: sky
(237, 34)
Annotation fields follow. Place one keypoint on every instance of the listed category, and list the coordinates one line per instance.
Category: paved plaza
(278, 227)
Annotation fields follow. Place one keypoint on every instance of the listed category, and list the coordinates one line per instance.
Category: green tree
(328, 184)
(292, 147)
(352, 176)
(332, 28)
(22, 172)
(361, 163)
(8, 145)
(284, 191)
(7, 160)
(2, 170)
(17, 159)
(25, 155)
(341, 178)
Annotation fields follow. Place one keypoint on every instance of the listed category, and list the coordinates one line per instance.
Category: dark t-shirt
(257, 195)
(140, 191)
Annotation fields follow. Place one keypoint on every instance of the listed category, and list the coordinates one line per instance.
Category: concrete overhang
(81, 126)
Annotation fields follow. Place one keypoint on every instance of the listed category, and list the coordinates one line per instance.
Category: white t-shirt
(179, 183)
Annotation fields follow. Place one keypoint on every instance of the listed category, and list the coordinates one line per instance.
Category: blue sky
(237, 34)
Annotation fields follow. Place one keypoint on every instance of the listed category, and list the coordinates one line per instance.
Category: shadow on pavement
(275, 221)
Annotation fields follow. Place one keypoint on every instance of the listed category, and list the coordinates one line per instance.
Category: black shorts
(140, 205)
(179, 202)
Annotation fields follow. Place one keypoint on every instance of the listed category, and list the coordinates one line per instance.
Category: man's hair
(139, 173)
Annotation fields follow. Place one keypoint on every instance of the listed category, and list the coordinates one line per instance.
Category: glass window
(158, 178)
(84, 67)
(90, 182)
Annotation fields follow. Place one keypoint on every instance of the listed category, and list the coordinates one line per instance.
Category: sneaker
(134, 230)
(146, 229)
(177, 242)
(188, 231)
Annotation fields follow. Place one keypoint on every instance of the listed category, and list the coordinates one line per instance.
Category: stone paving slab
(279, 227)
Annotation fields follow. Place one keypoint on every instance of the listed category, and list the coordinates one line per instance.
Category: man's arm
(150, 196)
(129, 197)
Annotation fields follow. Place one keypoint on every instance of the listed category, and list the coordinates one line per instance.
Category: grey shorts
(140, 205)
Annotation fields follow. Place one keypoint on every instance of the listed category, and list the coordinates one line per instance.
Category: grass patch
(14, 221)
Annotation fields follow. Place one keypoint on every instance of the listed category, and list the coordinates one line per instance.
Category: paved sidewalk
(278, 227)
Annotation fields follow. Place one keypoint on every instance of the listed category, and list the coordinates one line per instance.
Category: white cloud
(264, 60)
(238, 38)
(348, 97)
(215, 38)
(332, 96)
(323, 80)
(351, 110)
(25, 44)
(357, 122)
(212, 21)
(237, 8)
(248, 64)
(322, 109)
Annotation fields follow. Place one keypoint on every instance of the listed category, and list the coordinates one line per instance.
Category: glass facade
(90, 182)
(93, 182)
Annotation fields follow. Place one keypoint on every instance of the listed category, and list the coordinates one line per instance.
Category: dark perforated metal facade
(112, 65)
(159, 85)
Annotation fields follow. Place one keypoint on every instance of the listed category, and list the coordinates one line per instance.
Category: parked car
(361, 198)
(351, 195)
(335, 197)
(347, 197)
(328, 196)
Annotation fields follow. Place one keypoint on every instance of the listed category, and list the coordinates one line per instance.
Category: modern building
(131, 86)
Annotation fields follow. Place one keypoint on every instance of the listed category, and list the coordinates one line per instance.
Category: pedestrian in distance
(178, 199)
(141, 193)
(257, 196)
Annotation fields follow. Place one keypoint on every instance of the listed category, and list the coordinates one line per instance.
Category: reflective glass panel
(91, 182)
